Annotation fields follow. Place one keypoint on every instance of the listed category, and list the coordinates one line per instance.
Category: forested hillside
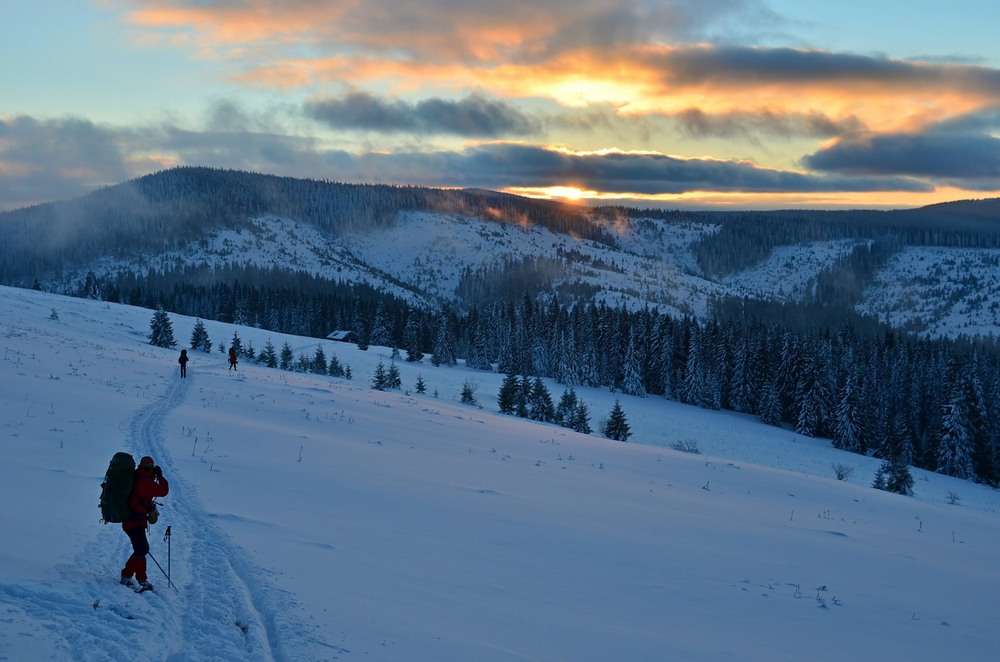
(172, 208)
(627, 299)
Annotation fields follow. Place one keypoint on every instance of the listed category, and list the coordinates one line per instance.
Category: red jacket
(145, 487)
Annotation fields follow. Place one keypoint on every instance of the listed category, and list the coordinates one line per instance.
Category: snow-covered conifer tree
(411, 339)
(199, 337)
(540, 406)
(392, 377)
(846, 429)
(444, 342)
(507, 398)
(954, 456)
(632, 377)
(287, 357)
(161, 331)
(268, 356)
(381, 332)
(319, 365)
(379, 378)
(617, 427)
(566, 407)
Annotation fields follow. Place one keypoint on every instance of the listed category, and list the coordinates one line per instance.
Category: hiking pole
(166, 539)
(164, 574)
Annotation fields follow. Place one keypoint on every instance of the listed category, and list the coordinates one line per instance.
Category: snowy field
(315, 519)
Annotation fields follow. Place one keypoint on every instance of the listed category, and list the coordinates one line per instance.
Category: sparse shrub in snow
(953, 498)
(842, 471)
(686, 446)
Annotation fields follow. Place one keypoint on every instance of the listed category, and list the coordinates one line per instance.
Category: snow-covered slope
(789, 271)
(315, 519)
(939, 292)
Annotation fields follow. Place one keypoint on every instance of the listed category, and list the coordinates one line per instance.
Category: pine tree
(392, 377)
(411, 339)
(846, 430)
(617, 427)
(770, 404)
(161, 331)
(199, 337)
(507, 397)
(954, 456)
(980, 426)
(268, 356)
(381, 335)
(237, 344)
(319, 361)
(566, 407)
(632, 378)
(540, 402)
(379, 379)
(522, 397)
(287, 356)
(894, 477)
(580, 419)
(812, 396)
(743, 385)
(420, 386)
(302, 364)
(469, 393)
(444, 343)
(336, 369)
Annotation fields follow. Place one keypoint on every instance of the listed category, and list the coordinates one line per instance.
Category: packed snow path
(223, 607)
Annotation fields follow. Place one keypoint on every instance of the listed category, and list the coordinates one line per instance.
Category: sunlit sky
(671, 103)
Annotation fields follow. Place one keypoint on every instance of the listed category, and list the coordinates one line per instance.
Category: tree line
(921, 402)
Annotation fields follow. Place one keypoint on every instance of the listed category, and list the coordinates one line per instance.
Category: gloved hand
(157, 472)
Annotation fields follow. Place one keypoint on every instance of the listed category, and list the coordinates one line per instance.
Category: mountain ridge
(474, 241)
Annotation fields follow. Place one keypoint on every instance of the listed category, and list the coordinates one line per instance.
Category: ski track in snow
(223, 607)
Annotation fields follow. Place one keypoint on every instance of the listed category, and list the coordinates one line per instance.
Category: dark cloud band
(473, 117)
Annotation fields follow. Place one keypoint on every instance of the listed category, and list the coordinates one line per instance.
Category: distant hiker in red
(183, 360)
(148, 484)
(232, 358)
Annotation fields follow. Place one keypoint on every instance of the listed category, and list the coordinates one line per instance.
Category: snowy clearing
(315, 519)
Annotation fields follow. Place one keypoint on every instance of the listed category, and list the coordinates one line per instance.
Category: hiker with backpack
(183, 360)
(147, 484)
(232, 358)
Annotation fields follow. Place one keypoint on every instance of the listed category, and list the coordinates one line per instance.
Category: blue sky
(675, 103)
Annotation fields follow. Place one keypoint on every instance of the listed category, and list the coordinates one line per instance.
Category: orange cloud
(578, 53)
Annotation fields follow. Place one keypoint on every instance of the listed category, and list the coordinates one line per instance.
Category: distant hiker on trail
(232, 358)
(148, 483)
(183, 360)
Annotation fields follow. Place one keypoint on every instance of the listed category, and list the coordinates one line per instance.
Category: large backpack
(116, 488)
